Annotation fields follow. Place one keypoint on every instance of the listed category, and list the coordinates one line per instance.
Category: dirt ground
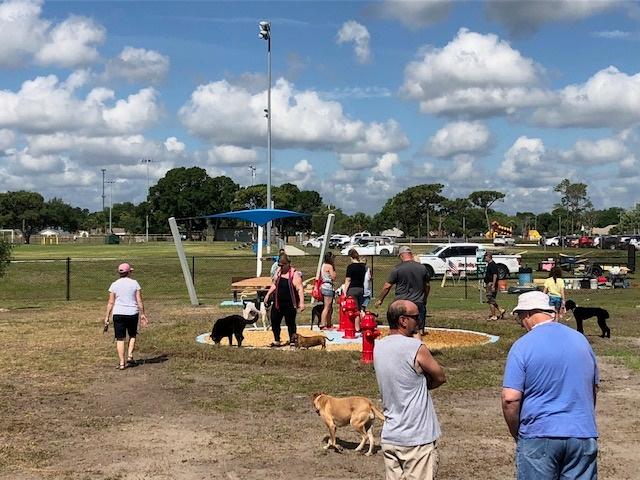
(147, 423)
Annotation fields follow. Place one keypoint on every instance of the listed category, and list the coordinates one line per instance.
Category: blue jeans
(557, 459)
(422, 311)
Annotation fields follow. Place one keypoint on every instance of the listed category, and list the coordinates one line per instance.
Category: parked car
(585, 242)
(502, 241)
(372, 245)
(338, 240)
(463, 257)
(357, 236)
(553, 242)
(610, 242)
(314, 242)
(635, 241)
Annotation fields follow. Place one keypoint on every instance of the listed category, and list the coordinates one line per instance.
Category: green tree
(60, 214)
(484, 199)
(22, 210)
(451, 215)
(609, 216)
(630, 220)
(412, 208)
(574, 199)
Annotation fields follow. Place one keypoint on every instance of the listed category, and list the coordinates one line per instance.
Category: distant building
(392, 232)
(603, 230)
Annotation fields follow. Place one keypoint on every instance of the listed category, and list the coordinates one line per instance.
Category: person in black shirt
(491, 286)
(354, 281)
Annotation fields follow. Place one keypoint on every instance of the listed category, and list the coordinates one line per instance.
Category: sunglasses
(283, 264)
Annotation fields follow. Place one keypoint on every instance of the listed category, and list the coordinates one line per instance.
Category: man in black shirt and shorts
(412, 283)
(491, 287)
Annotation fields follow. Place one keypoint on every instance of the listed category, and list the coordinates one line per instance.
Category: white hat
(533, 301)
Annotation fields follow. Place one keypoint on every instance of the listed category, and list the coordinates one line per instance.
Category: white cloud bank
(413, 14)
(473, 75)
(222, 113)
(138, 65)
(459, 137)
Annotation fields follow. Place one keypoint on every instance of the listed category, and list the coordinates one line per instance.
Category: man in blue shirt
(549, 395)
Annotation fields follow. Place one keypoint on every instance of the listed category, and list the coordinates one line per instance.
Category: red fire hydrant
(369, 328)
(349, 308)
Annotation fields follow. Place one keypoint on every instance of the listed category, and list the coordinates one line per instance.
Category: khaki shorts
(491, 294)
(410, 463)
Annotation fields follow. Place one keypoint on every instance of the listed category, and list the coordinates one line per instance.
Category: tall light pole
(252, 170)
(104, 170)
(110, 182)
(147, 161)
(265, 34)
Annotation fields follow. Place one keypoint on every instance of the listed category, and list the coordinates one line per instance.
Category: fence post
(466, 273)
(68, 278)
(193, 270)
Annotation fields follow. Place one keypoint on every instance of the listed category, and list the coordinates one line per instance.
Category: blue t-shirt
(555, 369)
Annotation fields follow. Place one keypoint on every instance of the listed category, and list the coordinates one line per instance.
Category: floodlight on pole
(265, 34)
(147, 161)
(104, 170)
(252, 170)
(110, 182)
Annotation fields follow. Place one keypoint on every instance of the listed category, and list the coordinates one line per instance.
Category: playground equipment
(497, 229)
(534, 235)
(370, 332)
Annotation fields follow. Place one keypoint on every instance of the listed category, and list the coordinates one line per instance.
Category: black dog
(229, 326)
(583, 313)
(316, 314)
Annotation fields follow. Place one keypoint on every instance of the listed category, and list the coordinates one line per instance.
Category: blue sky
(369, 98)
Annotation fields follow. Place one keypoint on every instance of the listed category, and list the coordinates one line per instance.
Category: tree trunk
(486, 215)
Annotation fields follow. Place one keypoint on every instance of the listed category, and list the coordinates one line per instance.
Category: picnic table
(251, 286)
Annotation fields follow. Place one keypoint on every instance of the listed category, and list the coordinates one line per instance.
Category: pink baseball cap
(124, 268)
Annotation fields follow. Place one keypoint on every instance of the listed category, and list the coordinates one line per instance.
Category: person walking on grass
(554, 287)
(411, 280)
(405, 372)
(288, 299)
(125, 303)
(491, 286)
(549, 395)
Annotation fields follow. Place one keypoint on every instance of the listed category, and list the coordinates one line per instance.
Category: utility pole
(265, 34)
(104, 170)
(252, 170)
(147, 161)
(110, 182)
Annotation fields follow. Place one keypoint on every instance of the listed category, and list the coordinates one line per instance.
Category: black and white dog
(583, 313)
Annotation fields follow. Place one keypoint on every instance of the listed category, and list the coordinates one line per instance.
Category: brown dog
(306, 342)
(339, 412)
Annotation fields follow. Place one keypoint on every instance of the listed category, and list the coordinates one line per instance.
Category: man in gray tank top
(406, 371)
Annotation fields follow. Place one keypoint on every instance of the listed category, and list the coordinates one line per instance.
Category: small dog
(583, 313)
(316, 315)
(300, 341)
(360, 412)
(251, 311)
(230, 326)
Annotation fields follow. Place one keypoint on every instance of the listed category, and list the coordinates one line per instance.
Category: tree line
(419, 211)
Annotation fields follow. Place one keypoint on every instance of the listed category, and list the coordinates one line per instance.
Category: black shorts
(123, 324)
(358, 294)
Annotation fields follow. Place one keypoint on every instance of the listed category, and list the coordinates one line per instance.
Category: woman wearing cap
(125, 302)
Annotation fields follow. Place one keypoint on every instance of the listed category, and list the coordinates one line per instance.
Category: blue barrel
(525, 276)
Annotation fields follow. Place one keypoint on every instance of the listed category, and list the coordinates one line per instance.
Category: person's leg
(325, 317)
(276, 318)
(120, 333)
(120, 350)
(581, 459)
(392, 466)
(538, 458)
(421, 462)
(132, 330)
(290, 320)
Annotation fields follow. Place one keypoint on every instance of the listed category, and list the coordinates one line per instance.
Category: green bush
(5, 256)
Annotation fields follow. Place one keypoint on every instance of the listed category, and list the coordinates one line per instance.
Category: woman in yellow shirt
(554, 287)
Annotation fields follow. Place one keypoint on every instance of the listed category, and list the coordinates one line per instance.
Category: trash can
(525, 276)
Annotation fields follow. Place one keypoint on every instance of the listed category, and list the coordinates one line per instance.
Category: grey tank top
(410, 418)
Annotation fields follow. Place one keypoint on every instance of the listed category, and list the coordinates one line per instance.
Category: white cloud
(72, 43)
(7, 138)
(357, 33)
(223, 113)
(385, 164)
(525, 164)
(414, 14)
(301, 175)
(22, 31)
(138, 65)
(172, 144)
(474, 74)
(609, 98)
(459, 137)
(526, 16)
(596, 152)
(356, 161)
(46, 105)
(614, 34)
(231, 155)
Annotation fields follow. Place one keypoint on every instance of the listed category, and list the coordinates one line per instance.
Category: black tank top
(284, 295)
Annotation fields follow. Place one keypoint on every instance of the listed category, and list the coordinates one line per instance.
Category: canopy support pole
(328, 228)
(183, 262)
(259, 251)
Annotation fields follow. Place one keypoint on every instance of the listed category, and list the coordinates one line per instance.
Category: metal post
(193, 270)
(68, 279)
(104, 170)
(265, 34)
(464, 235)
(183, 261)
(147, 161)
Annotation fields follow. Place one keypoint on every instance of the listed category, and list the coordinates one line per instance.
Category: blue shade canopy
(260, 216)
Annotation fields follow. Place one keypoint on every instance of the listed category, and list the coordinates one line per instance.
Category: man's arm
(427, 289)
(383, 293)
(430, 367)
(511, 403)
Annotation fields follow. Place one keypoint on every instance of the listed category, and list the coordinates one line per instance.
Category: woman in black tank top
(288, 299)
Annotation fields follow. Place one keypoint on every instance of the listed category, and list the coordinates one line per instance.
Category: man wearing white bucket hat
(549, 394)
